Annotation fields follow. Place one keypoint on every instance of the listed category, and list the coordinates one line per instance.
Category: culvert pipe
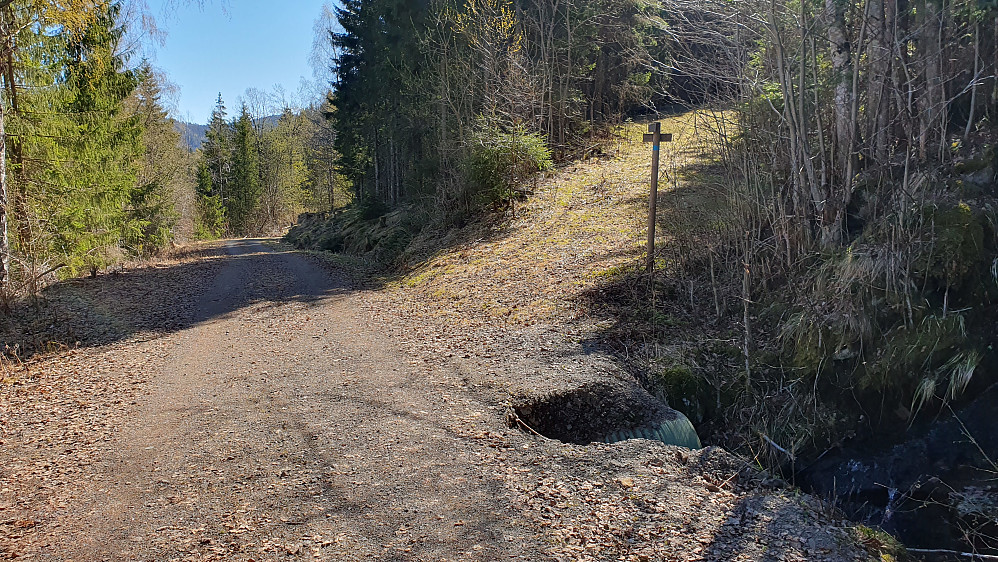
(678, 432)
(606, 411)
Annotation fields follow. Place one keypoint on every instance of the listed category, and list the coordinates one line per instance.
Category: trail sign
(664, 137)
(654, 136)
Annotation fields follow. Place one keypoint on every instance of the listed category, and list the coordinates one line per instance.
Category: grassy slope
(584, 224)
(571, 258)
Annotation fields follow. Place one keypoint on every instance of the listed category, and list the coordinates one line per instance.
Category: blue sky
(246, 44)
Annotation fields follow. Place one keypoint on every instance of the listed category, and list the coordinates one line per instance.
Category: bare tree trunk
(746, 318)
(994, 67)
(831, 228)
(891, 112)
(18, 198)
(819, 125)
(5, 24)
(974, 78)
(852, 162)
(932, 100)
(897, 14)
(330, 186)
(877, 102)
(4, 241)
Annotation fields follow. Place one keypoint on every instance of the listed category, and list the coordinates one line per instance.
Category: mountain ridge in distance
(193, 135)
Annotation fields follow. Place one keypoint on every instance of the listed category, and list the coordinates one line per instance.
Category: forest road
(244, 403)
(281, 423)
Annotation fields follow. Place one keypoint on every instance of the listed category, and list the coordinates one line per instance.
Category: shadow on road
(193, 286)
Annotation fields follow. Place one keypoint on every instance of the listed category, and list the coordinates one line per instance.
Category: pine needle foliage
(95, 175)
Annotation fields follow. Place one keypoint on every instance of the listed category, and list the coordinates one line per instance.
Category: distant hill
(193, 135)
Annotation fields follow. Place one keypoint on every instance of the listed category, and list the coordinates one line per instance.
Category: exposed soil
(257, 407)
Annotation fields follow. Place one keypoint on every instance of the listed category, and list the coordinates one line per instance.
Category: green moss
(980, 162)
(685, 390)
(958, 233)
(616, 273)
(881, 544)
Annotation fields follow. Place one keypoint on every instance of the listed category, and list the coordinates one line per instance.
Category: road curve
(280, 424)
(249, 405)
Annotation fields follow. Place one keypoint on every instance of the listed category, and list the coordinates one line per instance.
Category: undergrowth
(493, 173)
(783, 358)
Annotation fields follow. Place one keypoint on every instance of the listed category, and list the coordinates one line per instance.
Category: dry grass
(585, 223)
(571, 261)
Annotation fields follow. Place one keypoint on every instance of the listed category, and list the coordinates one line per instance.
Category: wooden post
(655, 137)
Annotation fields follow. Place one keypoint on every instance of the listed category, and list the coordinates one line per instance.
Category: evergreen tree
(34, 95)
(90, 171)
(103, 145)
(25, 30)
(380, 118)
(419, 85)
(258, 172)
(163, 193)
(325, 178)
(210, 217)
(217, 151)
(245, 187)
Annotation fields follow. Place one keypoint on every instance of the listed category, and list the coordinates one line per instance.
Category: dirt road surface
(271, 417)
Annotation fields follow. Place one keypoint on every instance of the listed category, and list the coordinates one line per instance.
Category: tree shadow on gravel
(189, 288)
(394, 508)
(768, 521)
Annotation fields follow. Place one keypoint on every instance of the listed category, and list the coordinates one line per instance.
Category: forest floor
(240, 401)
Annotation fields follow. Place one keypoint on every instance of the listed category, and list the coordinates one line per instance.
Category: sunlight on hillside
(585, 222)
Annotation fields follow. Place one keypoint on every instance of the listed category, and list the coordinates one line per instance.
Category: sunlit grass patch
(585, 224)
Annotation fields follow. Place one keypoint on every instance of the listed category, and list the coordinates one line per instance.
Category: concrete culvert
(605, 412)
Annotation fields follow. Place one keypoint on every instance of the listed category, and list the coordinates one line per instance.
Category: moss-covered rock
(683, 389)
(958, 245)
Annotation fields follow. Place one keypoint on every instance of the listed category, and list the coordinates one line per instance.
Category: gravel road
(282, 420)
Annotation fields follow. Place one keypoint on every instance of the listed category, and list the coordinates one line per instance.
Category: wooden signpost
(655, 137)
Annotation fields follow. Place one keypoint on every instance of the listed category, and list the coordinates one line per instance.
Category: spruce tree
(26, 28)
(34, 94)
(210, 217)
(217, 151)
(103, 145)
(163, 199)
(245, 188)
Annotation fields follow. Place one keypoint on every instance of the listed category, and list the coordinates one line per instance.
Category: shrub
(211, 218)
(498, 161)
